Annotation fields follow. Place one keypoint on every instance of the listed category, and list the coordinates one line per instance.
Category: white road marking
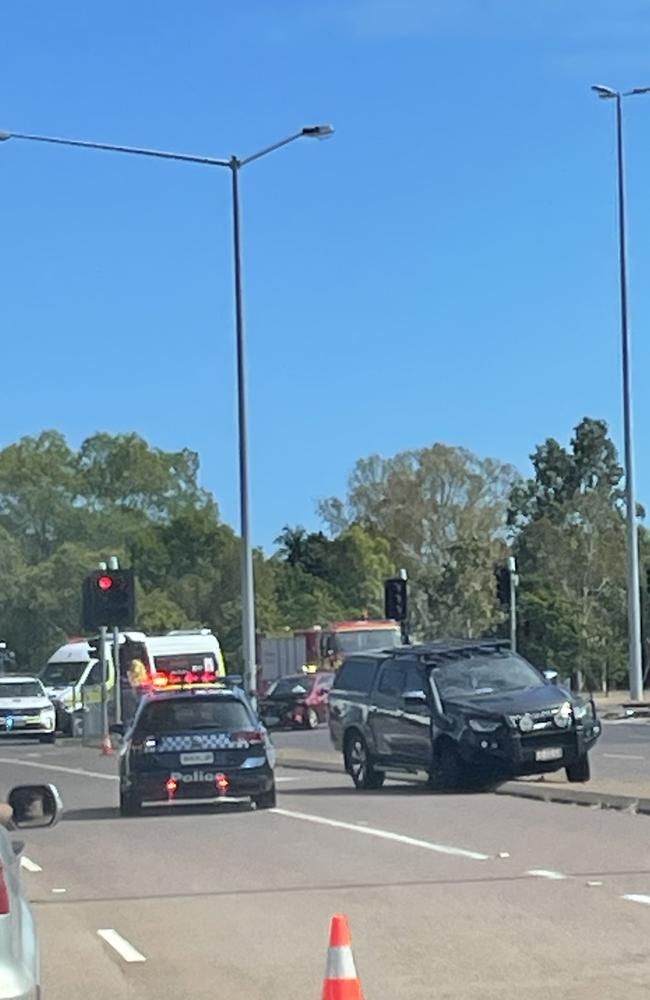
(29, 865)
(34, 755)
(59, 891)
(544, 873)
(632, 898)
(624, 756)
(58, 767)
(625, 722)
(594, 883)
(285, 779)
(371, 831)
(121, 945)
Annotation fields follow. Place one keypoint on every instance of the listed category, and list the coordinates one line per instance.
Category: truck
(321, 647)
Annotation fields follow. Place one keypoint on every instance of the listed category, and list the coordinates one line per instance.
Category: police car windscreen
(190, 662)
(189, 714)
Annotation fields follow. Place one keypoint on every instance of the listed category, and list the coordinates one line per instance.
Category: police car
(195, 743)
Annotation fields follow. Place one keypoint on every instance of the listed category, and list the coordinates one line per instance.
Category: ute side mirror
(551, 676)
(414, 699)
(35, 805)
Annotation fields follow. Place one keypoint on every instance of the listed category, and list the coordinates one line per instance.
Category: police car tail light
(251, 736)
(222, 783)
(4, 893)
(171, 785)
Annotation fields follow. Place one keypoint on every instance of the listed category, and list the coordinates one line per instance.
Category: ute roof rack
(444, 650)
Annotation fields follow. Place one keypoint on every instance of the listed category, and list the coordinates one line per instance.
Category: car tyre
(359, 765)
(267, 800)
(130, 804)
(580, 771)
(311, 719)
(49, 738)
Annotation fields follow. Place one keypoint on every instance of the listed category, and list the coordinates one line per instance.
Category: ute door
(386, 711)
(415, 739)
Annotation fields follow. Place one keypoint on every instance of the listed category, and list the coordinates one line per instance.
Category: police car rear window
(191, 714)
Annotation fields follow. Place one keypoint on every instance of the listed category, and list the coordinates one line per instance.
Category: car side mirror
(551, 676)
(117, 728)
(414, 699)
(35, 805)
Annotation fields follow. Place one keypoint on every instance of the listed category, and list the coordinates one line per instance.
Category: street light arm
(134, 150)
(270, 149)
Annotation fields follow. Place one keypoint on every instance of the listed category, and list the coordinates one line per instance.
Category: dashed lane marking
(29, 865)
(545, 873)
(623, 756)
(58, 767)
(634, 898)
(119, 944)
(370, 831)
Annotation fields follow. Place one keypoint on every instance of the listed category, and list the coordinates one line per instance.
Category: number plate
(197, 758)
(549, 753)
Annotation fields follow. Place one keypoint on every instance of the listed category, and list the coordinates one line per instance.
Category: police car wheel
(267, 800)
(311, 721)
(130, 804)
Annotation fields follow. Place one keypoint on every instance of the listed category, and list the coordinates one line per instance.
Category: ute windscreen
(189, 714)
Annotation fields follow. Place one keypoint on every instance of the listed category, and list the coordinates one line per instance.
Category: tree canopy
(445, 515)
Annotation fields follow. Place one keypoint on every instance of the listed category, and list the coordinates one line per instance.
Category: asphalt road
(449, 896)
(622, 753)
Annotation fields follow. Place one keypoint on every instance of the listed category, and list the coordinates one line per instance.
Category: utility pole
(514, 581)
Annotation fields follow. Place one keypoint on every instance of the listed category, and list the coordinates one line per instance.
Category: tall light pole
(234, 164)
(633, 599)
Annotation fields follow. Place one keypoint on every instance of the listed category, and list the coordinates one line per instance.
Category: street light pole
(234, 164)
(247, 579)
(633, 598)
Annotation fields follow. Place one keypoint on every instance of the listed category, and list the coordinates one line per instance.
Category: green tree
(442, 511)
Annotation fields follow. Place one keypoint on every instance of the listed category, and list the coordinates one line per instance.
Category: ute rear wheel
(580, 771)
(267, 800)
(359, 765)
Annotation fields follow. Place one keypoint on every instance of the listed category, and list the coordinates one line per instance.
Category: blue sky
(444, 269)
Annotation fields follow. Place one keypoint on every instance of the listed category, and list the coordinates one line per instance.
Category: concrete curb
(576, 797)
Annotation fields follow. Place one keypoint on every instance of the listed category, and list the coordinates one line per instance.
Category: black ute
(456, 710)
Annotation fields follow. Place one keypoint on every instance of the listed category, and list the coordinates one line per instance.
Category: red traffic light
(105, 582)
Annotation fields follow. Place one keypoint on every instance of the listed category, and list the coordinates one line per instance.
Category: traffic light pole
(102, 653)
(118, 674)
(512, 574)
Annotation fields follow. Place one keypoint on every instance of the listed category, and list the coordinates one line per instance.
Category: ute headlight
(483, 725)
(526, 723)
(583, 711)
(562, 717)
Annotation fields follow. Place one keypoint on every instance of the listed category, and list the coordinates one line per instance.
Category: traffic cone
(341, 980)
(107, 746)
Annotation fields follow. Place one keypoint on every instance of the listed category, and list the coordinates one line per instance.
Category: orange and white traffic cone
(341, 980)
(107, 746)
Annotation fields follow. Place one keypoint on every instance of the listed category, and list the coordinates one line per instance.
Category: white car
(20, 977)
(26, 709)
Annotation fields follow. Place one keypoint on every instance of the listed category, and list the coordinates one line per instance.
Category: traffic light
(396, 599)
(502, 575)
(108, 598)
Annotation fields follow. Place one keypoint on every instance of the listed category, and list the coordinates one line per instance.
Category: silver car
(33, 806)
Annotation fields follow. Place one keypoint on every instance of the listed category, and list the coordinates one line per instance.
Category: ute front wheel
(580, 771)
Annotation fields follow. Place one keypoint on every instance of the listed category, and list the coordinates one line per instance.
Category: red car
(297, 700)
